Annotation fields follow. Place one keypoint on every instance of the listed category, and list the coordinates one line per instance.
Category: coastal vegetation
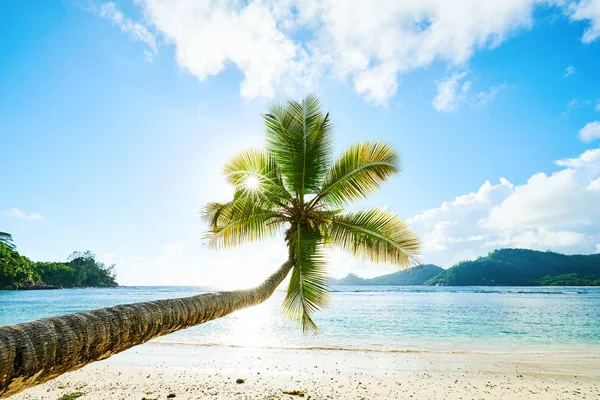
(6, 238)
(414, 276)
(292, 185)
(520, 267)
(503, 267)
(80, 270)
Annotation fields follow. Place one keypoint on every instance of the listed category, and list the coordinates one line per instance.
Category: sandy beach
(158, 371)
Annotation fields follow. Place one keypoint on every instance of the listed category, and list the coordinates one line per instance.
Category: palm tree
(293, 185)
(289, 186)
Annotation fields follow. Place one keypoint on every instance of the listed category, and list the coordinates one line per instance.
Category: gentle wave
(496, 290)
(374, 289)
(360, 349)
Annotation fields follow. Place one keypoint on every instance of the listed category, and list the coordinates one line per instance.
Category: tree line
(80, 270)
(522, 267)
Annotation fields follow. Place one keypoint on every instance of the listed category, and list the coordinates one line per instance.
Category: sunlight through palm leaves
(294, 185)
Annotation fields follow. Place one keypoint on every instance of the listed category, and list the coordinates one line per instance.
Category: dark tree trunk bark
(35, 352)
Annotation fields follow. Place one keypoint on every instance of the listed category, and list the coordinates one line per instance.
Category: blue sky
(115, 120)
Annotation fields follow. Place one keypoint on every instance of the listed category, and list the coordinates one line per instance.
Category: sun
(252, 183)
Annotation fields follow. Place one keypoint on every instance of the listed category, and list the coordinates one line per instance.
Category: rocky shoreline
(45, 286)
(32, 286)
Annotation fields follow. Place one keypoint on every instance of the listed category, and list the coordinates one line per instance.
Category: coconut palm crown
(293, 185)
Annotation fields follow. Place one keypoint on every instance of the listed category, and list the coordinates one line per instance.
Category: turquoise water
(381, 318)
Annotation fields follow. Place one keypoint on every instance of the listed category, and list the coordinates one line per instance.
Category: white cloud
(15, 212)
(209, 35)
(289, 45)
(590, 132)
(377, 84)
(570, 70)
(559, 211)
(451, 93)
(383, 39)
(545, 200)
(455, 91)
(137, 30)
(587, 10)
(594, 185)
(149, 56)
(539, 239)
(485, 97)
(588, 158)
(575, 104)
(571, 105)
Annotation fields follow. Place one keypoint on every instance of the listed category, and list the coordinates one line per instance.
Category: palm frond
(299, 137)
(375, 235)
(212, 212)
(307, 291)
(259, 167)
(358, 172)
(240, 221)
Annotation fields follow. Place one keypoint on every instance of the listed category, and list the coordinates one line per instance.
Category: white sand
(154, 371)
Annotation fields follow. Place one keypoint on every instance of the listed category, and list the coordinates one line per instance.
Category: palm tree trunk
(35, 352)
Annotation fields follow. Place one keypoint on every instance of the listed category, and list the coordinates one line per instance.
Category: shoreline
(155, 370)
(44, 286)
(568, 349)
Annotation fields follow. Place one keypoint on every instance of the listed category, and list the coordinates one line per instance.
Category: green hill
(519, 267)
(80, 270)
(414, 276)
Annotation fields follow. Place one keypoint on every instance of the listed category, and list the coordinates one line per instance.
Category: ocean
(402, 319)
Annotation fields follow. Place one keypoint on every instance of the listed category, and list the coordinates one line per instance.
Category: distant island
(18, 272)
(414, 276)
(520, 267)
(504, 267)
